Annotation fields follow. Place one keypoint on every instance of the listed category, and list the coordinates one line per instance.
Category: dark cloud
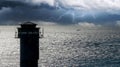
(13, 11)
(12, 4)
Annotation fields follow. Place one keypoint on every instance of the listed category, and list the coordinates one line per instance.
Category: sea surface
(66, 46)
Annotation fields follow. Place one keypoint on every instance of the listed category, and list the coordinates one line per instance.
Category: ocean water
(66, 46)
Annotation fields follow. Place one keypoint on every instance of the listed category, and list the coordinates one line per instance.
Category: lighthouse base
(29, 63)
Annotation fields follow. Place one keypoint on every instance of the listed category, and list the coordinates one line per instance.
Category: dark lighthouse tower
(29, 44)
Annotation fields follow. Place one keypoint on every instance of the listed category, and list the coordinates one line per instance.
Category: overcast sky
(60, 11)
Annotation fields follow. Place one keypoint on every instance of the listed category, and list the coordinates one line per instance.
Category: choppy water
(66, 47)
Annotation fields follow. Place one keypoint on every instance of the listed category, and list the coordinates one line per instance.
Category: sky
(103, 12)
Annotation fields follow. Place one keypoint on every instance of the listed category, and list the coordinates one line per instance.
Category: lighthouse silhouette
(29, 44)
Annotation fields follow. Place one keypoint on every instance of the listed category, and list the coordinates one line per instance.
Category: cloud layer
(60, 11)
(111, 6)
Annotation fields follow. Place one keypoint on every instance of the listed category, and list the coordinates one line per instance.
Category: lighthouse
(29, 44)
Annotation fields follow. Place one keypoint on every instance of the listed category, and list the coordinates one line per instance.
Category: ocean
(66, 46)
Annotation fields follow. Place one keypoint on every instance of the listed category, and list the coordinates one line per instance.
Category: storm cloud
(60, 11)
